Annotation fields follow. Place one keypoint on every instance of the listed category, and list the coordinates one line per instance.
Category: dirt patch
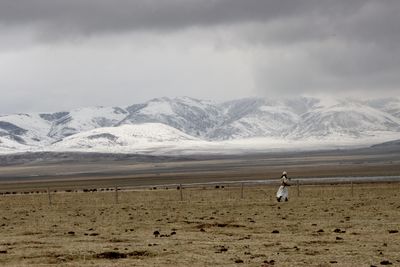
(217, 224)
(120, 255)
(111, 255)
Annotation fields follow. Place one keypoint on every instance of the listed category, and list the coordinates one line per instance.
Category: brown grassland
(323, 226)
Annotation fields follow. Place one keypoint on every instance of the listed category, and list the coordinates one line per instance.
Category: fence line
(49, 195)
(116, 194)
(242, 184)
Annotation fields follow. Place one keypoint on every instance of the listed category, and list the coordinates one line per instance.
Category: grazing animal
(156, 233)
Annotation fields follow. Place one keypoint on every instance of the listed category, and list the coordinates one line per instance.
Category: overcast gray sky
(61, 54)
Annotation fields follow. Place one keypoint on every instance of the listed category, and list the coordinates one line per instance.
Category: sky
(58, 54)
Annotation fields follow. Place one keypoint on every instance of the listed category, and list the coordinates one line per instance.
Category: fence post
(116, 194)
(352, 191)
(241, 191)
(48, 194)
(180, 191)
(298, 188)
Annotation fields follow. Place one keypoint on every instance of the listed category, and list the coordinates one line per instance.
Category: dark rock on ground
(111, 255)
(221, 249)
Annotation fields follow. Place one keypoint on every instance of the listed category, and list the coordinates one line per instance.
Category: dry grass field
(324, 226)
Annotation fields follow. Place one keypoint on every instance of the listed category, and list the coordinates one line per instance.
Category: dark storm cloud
(96, 16)
(260, 21)
(268, 21)
(296, 46)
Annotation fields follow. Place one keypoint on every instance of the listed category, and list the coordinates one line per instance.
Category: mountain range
(187, 124)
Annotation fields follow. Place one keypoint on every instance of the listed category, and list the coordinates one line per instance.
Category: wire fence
(226, 190)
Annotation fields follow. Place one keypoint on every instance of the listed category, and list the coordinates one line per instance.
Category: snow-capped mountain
(200, 122)
(256, 117)
(64, 124)
(192, 116)
(388, 105)
(344, 118)
(42, 129)
(25, 129)
(127, 138)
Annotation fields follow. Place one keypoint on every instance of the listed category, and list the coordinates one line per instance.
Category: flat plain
(325, 225)
(85, 222)
(76, 171)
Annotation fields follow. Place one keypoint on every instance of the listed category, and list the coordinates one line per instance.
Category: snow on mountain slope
(26, 129)
(192, 116)
(160, 139)
(295, 121)
(257, 117)
(344, 118)
(84, 119)
(137, 138)
(9, 145)
(389, 105)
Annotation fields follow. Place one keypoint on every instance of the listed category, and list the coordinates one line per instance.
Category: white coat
(283, 192)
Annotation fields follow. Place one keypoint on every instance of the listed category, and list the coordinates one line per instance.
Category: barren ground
(324, 226)
(108, 173)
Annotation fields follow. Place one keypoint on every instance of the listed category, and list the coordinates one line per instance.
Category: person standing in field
(283, 191)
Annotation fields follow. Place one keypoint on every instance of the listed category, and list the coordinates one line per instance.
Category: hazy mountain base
(84, 157)
(323, 226)
(39, 158)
